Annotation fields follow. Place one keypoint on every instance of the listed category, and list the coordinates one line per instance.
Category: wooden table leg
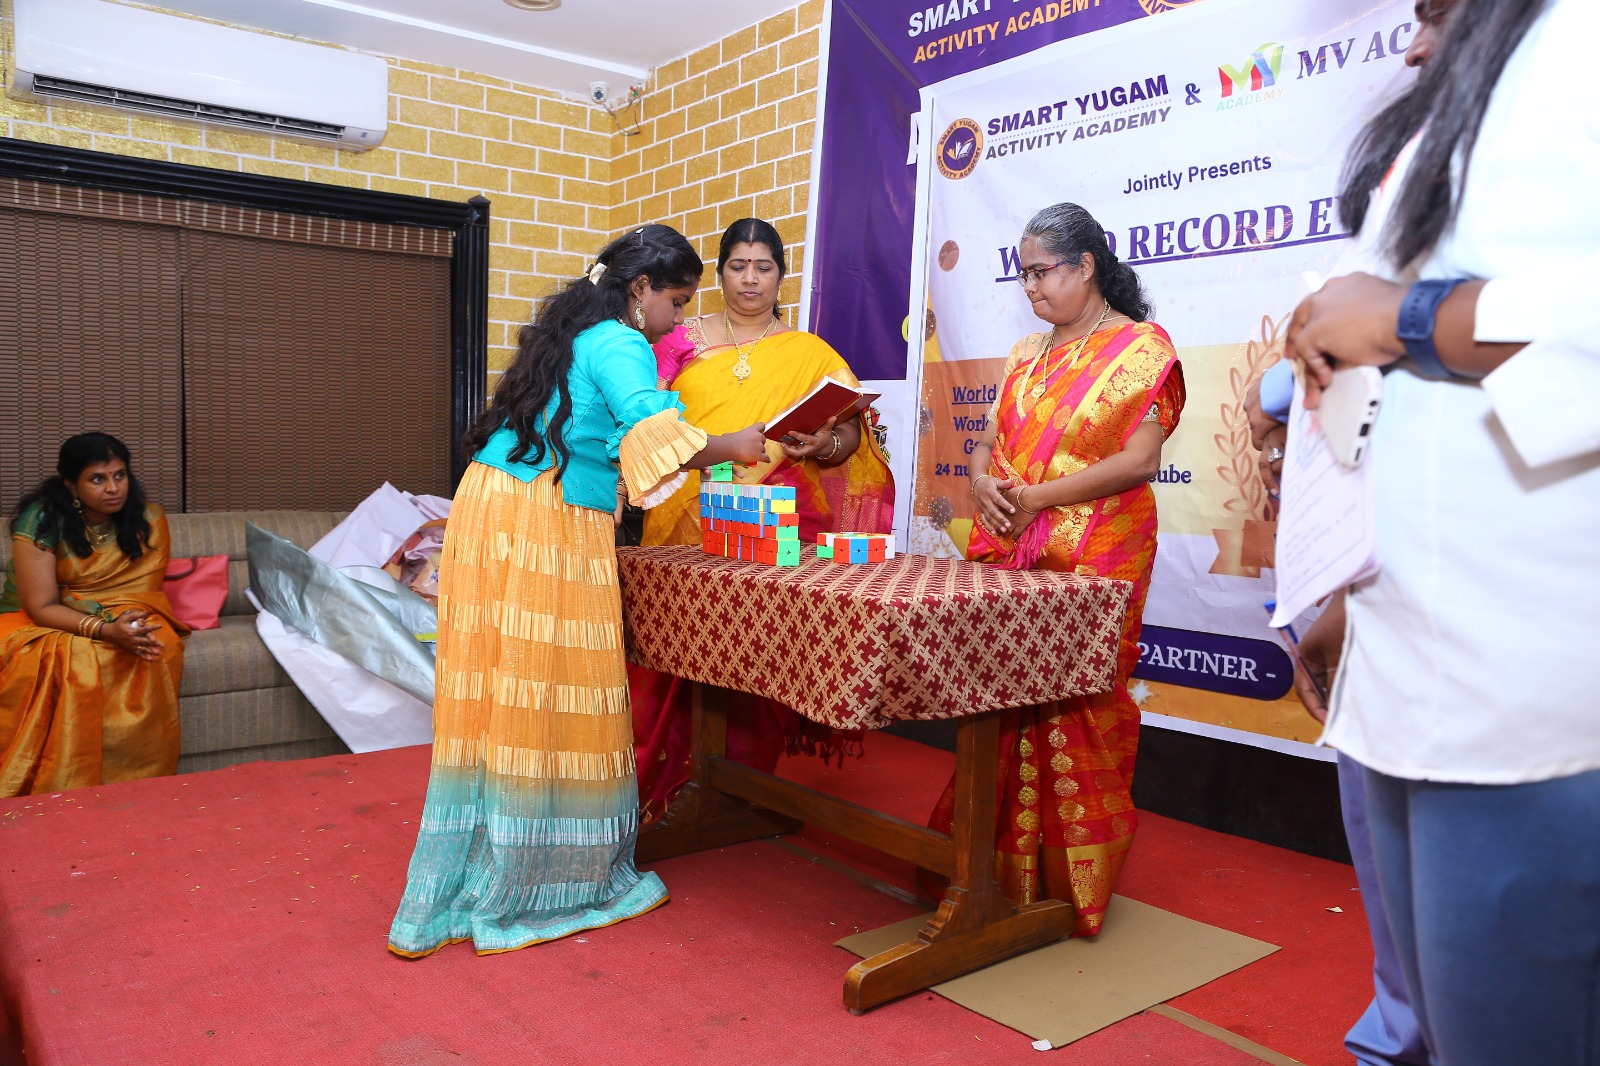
(701, 817)
(975, 926)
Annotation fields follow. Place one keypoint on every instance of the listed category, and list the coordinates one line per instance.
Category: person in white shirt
(1387, 1032)
(1463, 688)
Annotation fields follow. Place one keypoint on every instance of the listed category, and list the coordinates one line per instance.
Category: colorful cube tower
(855, 547)
(756, 523)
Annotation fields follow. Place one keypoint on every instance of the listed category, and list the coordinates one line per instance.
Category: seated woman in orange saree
(91, 656)
(744, 364)
(1076, 436)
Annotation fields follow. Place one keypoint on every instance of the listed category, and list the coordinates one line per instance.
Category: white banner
(1208, 142)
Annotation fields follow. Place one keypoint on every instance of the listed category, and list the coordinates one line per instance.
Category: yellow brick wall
(728, 133)
(544, 163)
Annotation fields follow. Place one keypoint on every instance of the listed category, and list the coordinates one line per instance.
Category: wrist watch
(1418, 313)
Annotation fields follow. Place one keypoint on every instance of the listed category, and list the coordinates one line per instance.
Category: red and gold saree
(1066, 816)
(855, 496)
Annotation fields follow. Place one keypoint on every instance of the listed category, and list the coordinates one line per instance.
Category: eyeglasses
(1033, 275)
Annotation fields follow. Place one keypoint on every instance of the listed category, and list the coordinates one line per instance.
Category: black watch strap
(1418, 313)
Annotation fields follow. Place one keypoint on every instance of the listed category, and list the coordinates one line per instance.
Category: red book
(830, 399)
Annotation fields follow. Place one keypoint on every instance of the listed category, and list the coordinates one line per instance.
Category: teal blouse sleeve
(624, 368)
(36, 524)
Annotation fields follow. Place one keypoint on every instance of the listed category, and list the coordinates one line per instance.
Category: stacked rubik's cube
(757, 523)
(855, 547)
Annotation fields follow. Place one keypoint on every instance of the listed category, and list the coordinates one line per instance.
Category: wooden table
(914, 638)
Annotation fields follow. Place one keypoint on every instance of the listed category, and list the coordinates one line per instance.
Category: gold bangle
(835, 435)
(83, 625)
(972, 486)
(98, 629)
(1017, 499)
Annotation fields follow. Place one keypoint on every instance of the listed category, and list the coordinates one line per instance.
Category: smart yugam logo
(1258, 72)
(959, 148)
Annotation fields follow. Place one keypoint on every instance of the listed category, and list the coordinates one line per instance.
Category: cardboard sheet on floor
(1064, 991)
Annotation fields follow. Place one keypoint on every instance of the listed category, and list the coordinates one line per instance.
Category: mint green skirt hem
(489, 938)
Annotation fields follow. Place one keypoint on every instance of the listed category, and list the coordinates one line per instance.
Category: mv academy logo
(1255, 81)
(1258, 72)
(960, 148)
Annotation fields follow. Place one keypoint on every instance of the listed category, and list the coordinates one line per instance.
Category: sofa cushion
(234, 720)
(294, 749)
(237, 602)
(222, 533)
(229, 659)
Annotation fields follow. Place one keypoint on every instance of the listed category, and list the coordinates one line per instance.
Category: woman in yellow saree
(90, 654)
(1062, 482)
(729, 369)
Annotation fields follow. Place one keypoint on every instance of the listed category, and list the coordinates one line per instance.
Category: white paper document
(1327, 524)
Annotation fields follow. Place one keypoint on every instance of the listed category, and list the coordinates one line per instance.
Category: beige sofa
(237, 704)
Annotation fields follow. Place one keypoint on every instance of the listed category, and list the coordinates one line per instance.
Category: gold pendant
(1038, 390)
(741, 370)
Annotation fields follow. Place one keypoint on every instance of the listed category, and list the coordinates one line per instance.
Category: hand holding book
(819, 410)
(824, 445)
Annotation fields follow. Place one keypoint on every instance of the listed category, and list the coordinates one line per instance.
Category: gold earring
(638, 317)
(77, 503)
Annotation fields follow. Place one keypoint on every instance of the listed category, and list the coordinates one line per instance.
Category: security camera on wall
(623, 106)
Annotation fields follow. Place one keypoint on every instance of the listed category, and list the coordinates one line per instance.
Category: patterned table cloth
(867, 645)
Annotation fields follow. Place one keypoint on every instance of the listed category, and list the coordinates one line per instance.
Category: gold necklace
(741, 369)
(99, 537)
(1038, 390)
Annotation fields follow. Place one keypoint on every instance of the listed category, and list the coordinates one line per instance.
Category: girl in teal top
(532, 810)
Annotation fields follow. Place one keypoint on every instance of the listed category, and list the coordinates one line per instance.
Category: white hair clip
(597, 272)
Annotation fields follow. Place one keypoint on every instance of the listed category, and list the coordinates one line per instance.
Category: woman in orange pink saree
(732, 368)
(1062, 482)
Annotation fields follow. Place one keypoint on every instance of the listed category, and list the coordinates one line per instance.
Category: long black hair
(62, 517)
(753, 231)
(1069, 232)
(544, 346)
(1450, 98)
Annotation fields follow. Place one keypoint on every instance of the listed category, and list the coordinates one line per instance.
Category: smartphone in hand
(1349, 410)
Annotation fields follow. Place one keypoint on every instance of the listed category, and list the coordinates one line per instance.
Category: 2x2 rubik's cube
(756, 523)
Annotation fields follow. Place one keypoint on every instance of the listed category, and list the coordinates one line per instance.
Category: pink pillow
(197, 589)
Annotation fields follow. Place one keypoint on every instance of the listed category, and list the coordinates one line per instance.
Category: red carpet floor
(240, 917)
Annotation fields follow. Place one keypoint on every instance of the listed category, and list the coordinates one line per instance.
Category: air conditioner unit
(91, 52)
